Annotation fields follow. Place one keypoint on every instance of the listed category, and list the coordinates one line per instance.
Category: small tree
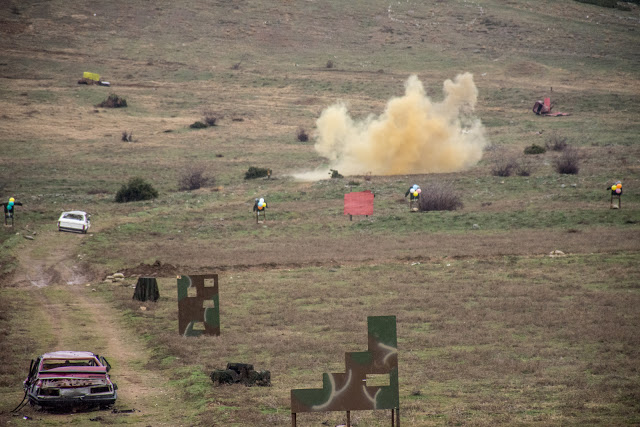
(523, 168)
(439, 197)
(193, 178)
(136, 189)
(302, 134)
(568, 162)
(503, 167)
(556, 143)
(210, 120)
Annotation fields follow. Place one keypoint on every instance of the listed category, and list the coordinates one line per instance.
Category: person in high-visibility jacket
(9, 211)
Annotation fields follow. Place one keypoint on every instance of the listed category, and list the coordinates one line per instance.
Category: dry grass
(496, 341)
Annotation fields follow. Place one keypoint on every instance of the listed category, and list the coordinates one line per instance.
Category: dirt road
(79, 319)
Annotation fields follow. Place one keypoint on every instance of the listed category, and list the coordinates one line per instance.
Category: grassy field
(491, 330)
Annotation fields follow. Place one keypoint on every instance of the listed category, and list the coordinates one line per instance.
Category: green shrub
(335, 174)
(534, 149)
(198, 125)
(113, 101)
(255, 172)
(136, 189)
(303, 136)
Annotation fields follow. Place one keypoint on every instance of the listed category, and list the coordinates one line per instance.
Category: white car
(74, 221)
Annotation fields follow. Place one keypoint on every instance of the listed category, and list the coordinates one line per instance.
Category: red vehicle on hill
(63, 379)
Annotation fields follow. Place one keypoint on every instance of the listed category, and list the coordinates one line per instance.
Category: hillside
(492, 331)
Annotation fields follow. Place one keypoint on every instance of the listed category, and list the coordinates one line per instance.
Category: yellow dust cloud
(413, 135)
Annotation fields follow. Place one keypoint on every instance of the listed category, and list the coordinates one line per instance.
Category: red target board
(360, 203)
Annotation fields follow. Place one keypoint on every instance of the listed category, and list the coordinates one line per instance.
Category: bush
(303, 136)
(556, 143)
(193, 178)
(335, 174)
(523, 168)
(127, 137)
(534, 149)
(136, 189)
(329, 64)
(503, 167)
(569, 162)
(198, 125)
(210, 120)
(113, 101)
(438, 197)
(255, 172)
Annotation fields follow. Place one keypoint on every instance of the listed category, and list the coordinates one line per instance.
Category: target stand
(414, 203)
(615, 196)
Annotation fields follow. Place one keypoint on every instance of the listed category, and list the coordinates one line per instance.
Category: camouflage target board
(201, 309)
(349, 391)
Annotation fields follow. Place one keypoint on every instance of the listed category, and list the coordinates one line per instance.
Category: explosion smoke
(413, 135)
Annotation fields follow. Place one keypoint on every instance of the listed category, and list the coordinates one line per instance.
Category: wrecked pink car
(64, 379)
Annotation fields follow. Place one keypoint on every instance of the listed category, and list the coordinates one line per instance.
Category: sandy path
(82, 320)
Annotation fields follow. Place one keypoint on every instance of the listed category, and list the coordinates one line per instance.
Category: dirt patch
(157, 269)
(9, 27)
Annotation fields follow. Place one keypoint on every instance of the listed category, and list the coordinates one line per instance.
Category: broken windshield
(60, 363)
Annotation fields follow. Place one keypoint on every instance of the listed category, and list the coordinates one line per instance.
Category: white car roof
(68, 355)
(75, 212)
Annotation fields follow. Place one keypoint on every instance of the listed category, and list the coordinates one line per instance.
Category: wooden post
(393, 417)
(350, 217)
(397, 417)
(293, 419)
(348, 418)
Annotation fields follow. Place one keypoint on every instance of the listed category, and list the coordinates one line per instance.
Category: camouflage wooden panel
(192, 309)
(349, 391)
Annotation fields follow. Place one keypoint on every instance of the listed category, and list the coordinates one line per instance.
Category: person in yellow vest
(616, 191)
(9, 210)
(260, 206)
(414, 195)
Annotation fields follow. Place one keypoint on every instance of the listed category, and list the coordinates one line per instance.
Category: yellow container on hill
(91, 76)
